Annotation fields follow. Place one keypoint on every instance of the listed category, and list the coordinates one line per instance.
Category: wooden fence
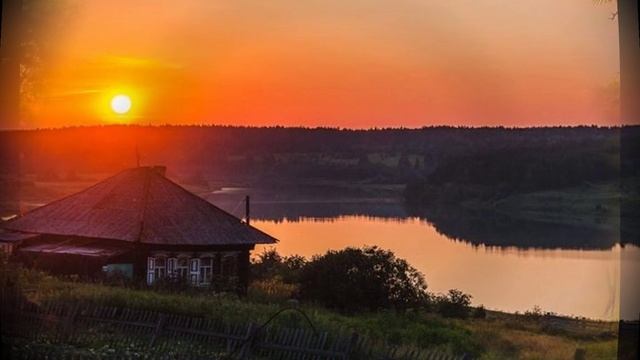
(84, 331)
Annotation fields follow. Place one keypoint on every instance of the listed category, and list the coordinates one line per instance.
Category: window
(194, 271)
(182, 268)
(151, 263)
(160, 269)
(171, 267)
(205, 270)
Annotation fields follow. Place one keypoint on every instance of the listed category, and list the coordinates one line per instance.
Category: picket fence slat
(170, 336)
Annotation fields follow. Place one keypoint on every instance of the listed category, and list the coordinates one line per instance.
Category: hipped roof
(140, 205)
(14, 237)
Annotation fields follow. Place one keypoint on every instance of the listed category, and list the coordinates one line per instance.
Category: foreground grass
(516, 337)
(498, 336)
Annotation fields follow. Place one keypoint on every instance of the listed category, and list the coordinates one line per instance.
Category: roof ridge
(140, 205)
(211, 205)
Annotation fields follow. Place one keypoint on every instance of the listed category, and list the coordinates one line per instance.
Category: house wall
(62, 264)
(226, 262)
(213, 267)
(196, 268)
(6, 247)
(69, 263)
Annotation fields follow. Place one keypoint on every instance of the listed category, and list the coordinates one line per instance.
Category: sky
(338, 63)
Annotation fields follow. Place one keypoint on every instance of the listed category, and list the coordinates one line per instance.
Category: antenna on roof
(247, 208)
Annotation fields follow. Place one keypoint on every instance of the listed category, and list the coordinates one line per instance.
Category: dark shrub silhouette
(362, 279)
(269, 264)
(454, 304)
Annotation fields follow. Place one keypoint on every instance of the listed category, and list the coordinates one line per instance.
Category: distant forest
(504, 158)
(435, 169)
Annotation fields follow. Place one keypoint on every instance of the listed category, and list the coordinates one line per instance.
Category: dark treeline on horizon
(441, 166)
(228, 152)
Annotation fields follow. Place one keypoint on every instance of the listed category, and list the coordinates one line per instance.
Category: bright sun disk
(121, 104)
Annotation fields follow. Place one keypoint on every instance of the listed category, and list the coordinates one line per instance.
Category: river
(510, 268)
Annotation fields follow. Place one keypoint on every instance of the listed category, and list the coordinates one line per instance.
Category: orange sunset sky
(356, 63)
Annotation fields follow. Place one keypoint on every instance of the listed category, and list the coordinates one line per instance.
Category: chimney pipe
(247, 204)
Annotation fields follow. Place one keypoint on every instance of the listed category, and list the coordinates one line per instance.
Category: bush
(480, 312)
(362, 279)
(272, 290)
(454, 304)
(270, 264)
(535, 313)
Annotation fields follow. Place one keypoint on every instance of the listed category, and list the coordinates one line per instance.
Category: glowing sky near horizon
(338, 63)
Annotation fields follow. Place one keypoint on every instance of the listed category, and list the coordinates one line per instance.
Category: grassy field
(497, 336)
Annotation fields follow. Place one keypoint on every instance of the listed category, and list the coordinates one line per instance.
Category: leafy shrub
(272, 290)
(454, 304)
(369, 278)
(270, 264)
(480, 312)
(536, 313)
(225, 284)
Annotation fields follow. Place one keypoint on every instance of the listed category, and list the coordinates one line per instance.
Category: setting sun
(121, 104)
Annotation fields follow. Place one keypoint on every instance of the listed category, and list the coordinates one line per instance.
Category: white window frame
(151, 264)
(204, 280)
(160, 271)
(194, 271)
(182, 272)
(172, 263)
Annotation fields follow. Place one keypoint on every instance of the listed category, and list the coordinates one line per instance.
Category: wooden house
(141, 224)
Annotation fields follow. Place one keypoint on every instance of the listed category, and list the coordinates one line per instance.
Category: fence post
(353, 342)
(245, 351)
(158, 330)
(68, 329)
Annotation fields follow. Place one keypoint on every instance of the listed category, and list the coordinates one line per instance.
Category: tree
(454, 304)
(269, 264)
(362, 279)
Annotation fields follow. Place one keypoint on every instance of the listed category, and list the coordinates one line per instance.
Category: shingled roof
(140, 205)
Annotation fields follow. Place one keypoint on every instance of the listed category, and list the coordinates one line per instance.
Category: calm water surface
(569, 282)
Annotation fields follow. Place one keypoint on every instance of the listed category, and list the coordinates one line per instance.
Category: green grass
(500, 336)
